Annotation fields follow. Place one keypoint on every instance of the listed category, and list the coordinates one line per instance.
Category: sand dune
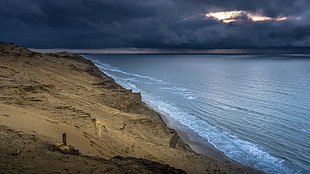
(45, 95)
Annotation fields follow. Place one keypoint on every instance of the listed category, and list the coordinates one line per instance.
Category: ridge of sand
(45, 95)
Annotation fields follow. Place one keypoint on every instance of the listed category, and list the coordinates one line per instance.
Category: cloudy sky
(160, 24)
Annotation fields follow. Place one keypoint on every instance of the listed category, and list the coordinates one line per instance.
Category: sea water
(253, 108)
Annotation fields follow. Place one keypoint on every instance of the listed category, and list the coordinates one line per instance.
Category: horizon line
(174, 51)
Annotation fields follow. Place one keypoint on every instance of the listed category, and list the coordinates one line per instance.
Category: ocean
(254, 108)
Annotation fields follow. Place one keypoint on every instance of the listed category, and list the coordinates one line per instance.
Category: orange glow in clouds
(231, 16)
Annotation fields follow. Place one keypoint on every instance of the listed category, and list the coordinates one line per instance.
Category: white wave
(107, 67)
(181, 91)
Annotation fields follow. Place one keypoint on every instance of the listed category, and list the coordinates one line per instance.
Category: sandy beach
(43, 96)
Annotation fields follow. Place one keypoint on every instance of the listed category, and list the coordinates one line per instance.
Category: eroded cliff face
(45, 95)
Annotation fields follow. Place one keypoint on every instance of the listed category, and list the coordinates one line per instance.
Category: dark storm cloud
(165, 24)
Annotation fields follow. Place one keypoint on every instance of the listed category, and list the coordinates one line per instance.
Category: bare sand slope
(45, 95)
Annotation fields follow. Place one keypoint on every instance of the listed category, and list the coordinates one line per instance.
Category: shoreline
(195, 145)
(46, 95)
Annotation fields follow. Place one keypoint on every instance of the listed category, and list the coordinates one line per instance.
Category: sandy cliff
(45, 95)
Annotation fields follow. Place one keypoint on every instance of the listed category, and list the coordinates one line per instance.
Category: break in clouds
(163, 24)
